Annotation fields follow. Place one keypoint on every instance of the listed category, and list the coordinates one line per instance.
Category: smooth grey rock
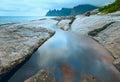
(82, 25)
(115, 13)
(64, 24)
(18, 42)
(110, 38)
(93, 12)
(46, 23)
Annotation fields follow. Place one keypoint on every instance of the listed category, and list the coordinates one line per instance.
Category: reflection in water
(70, 55)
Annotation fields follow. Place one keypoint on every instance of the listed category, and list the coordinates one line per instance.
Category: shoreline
(94, 26)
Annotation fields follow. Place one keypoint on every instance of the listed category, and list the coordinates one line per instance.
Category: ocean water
(15, 19)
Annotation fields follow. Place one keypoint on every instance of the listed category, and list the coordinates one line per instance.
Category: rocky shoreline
(105, 29)
(19, 41)
(110, 39)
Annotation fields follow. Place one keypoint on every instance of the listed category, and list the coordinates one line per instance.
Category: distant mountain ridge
(80, 9)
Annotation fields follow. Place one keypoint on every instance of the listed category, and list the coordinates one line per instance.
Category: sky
(40, 7)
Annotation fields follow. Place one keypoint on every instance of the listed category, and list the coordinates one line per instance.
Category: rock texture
(46, 23)
(93, 12)
(17, 43)
(117, 13)
(89, 78)
(110, 38)
(103, 28)
(44, 75)
(48, 76)
(84, 24)
(64, 24)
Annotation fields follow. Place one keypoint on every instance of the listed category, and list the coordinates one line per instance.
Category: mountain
(62, 12)
(80, 9)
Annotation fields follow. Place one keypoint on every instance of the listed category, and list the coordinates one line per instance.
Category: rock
(115, 13)
(96, 31)
(87, 13)
(116, 63)
(89, 78)
(44, 75)
(64, 18)
(46, 23)
(93, 12)
(17, 43)
(110, 38)
(64, 24)
(84, 24)
(105, 29)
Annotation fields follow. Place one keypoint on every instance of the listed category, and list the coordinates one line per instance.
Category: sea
(19, 19)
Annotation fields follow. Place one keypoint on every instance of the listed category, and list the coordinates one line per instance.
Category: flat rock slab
(44, 75)
(110, 38)
(18, 42)
(84, 24)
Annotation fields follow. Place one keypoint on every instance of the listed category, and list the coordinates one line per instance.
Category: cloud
(40, 7)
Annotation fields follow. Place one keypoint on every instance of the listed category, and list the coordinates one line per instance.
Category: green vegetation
(115, 6)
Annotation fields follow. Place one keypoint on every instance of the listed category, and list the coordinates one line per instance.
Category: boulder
(17, 43)
(64, 24)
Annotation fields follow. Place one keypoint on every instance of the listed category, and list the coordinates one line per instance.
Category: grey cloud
(34, 7)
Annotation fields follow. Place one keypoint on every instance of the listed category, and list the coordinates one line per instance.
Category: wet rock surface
(66, 60)
(110, 38)
(116, 62)
(89, 78)
(47, 75)
(104, 28)
(17, 43)
(44, 75)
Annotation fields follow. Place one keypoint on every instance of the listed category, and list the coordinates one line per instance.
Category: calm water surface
(11, 19)
(77, 53)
